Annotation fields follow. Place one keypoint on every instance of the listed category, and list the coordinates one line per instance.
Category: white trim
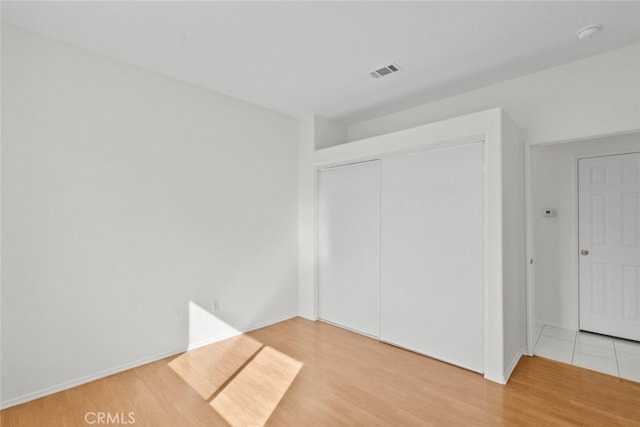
(316, 270)
(347, 328)
(555, 325)
(380, 250)
(212, 340)
(345, 164)
(513, 365)
(253, 327)
(530, 253)
(606, 154)
(624, 129)
(304, 316)
(575, 241)
(504, 378)
(325, 158)
(496, 378)
(86, 379)
(134, 364)
(456, 364)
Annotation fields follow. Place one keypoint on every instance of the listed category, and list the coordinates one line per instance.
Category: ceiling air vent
(385, 71)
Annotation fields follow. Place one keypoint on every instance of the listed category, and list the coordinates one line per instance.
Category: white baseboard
(513, 364)
(305, 316)
(270, 322)
(355, 331)
(87, 379)
(134, 364)
(556, 325)
(496, 378)
(378, 338)
(249, 328)
(504, 378)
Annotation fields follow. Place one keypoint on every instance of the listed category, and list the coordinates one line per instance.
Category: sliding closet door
(349, 246)
(432, 253)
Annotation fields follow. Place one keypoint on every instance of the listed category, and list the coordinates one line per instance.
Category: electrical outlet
(215, 306)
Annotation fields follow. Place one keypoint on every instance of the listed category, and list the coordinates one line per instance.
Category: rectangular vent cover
(385, 71)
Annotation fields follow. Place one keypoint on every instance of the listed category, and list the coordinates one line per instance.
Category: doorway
(555, 252)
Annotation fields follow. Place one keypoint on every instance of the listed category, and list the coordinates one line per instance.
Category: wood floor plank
(303, 373)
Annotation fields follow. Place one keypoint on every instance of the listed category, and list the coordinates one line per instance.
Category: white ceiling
(300, 58)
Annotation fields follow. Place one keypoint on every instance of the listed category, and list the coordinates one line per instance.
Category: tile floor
(591, 351)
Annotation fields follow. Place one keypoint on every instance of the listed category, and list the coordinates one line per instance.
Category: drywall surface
(129, 202)
(328, 133)
(307, 291)
(599, 95)
(513, 224)
(554, 185)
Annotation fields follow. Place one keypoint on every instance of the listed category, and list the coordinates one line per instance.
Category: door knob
(584, 252)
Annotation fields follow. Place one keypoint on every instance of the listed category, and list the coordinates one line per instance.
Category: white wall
(554, 177)
(595, 96)
(126, 197)
(307, 219)
(514, 244)
(329, 133)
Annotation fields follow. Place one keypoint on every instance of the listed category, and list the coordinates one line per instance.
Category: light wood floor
(302, 373)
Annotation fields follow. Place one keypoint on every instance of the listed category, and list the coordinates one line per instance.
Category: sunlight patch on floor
(240, 377)
(253, 395)
(207, 369)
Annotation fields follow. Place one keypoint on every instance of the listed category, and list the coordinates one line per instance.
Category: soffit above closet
(300, 58)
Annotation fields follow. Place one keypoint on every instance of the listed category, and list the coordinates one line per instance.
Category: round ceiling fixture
(588, 32)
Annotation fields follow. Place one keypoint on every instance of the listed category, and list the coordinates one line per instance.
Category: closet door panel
(349, 246)
(432, 253)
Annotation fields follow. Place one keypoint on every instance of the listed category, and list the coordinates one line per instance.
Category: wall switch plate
(215, 306)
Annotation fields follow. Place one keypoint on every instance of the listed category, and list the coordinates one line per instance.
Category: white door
(609, 252)
(432, 254)
(349, 246)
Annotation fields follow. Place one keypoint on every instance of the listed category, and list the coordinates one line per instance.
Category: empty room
(320, 213)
